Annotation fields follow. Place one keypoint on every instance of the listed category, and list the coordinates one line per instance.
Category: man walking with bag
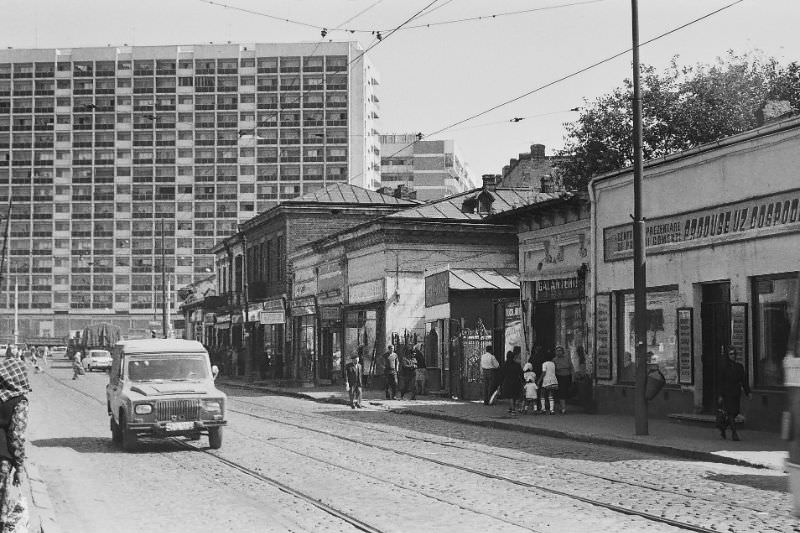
(489, 366)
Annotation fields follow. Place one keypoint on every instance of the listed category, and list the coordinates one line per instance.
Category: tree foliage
(682, 107)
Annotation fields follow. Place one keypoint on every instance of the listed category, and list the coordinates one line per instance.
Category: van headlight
(212, 406)
(143, 409)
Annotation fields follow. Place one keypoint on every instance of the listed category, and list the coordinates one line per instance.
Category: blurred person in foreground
(14, 388)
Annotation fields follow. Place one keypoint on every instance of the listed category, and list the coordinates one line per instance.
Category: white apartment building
(434, 169)
(101, 147)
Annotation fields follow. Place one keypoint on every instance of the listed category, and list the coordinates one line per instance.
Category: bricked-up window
(772, 317)
(280, 250)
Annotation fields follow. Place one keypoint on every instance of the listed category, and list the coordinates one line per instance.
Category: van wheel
(215, 437)
(128, 437)
(116, 432)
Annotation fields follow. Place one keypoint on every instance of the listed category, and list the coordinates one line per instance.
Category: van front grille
(174, 410)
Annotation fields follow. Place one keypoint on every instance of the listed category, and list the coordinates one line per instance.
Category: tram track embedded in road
(606, 505)
(356, 523)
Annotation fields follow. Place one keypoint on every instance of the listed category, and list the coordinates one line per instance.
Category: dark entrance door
(326, 354)
(715, 315)
(544, 326)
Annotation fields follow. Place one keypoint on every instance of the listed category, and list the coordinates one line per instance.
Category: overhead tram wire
(568, 76)
(487, 17)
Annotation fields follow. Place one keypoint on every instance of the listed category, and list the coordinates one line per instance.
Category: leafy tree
(682, 107)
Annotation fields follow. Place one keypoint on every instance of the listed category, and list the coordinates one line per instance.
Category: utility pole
(639, 263)
(163, 285)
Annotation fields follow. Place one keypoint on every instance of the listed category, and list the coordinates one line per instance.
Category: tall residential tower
(105, 152)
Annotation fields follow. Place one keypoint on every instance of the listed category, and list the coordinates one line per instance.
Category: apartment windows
(290, 136)
(186, 81)
(226, 101)
(337, 100)
(267, 64)
(313, 100)
(124, 83)
(165, 67)
(247, 98)
(123, 66)
(335, 63)
(247, 81)
(142, 85)
(143, 67)
(313, 172)
(227, 84)
(227, 120)
(336, 154)
(290, 173)
(267, 101)
(290, 101)
(336, 118)
(204, 84)
(247, 62)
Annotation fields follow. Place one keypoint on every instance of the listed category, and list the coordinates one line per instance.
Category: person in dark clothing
(390, 368)
(353, 375)
(14, 387)
(730, 382)
(408, 372)
(512, 383)
(421, 374)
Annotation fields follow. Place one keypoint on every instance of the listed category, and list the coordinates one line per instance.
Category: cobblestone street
(378, 470)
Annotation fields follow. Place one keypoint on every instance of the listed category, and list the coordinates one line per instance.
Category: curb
(660, 449)
(42, 516)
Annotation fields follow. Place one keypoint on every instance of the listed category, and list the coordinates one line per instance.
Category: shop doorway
(330, 354)
(715, 315)
(544, 326)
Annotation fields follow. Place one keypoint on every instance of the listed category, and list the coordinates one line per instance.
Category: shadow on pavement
(773, 482)
(104, 445)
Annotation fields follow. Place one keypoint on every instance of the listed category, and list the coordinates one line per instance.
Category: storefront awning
(466, 279)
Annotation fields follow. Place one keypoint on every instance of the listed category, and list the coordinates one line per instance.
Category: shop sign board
(559, 289)
(304, 306)
(272, 317)
(437, 288)
(209, 318)
(330, 313)
(739, 332)
(369, 291)
(685, 346)
(602, 332)
(746, 219)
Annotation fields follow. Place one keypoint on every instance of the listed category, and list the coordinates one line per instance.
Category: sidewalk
(757, 449)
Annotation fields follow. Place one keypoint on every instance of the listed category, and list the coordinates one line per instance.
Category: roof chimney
(404, 192)
(537, 151)
(490, 182)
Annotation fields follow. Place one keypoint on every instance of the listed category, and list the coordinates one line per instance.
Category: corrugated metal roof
(342, 193)
(451, 208)
(465, 279)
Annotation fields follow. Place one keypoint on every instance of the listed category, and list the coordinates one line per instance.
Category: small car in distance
(161, 388)
(97, 360)
(58, 351)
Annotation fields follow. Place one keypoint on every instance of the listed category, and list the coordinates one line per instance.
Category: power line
(373, 31)
(566, 77)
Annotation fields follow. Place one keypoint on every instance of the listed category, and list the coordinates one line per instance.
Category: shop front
(330, 289)
(460, 307)
(304, 338)
(364, 328)
(722, 273)
(272, 318)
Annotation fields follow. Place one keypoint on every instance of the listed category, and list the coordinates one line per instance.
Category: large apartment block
(105, 153)
(433, 169)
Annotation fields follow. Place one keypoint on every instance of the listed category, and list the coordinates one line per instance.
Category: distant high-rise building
(433, 169)
(101, 148)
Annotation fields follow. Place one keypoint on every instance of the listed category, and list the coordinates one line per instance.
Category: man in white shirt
(489, 366)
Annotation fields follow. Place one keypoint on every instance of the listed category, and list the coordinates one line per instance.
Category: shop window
(773, 297)
(662, 309)
(360, 335)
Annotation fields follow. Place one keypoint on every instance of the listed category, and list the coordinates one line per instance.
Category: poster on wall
(602, 343)
(739, 333)
(685, 346)
(513, 327)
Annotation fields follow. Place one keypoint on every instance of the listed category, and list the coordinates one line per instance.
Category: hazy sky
(432, 77)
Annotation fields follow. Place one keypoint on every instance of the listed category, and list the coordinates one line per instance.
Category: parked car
(58, 351)
(162, 388)
(97, 360)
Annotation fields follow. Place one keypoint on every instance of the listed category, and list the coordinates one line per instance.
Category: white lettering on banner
(778, 212)
(370, 291)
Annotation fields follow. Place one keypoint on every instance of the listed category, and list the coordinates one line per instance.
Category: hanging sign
(559, 289)
(602, 332)
(739, 332)
(685, 346)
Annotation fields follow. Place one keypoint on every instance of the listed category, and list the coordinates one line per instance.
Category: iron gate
(465, 361)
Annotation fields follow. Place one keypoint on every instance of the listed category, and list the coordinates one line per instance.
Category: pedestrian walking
(77, 366)
(421, 373)
(512, 377)
(549, 384)
(14, 387)
(731, 380)
(408, 373)
(353, 375)
(564, 372)
(45, 355)
(489, 366)
(390, 369)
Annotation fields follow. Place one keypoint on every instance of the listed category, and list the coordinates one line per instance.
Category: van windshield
(168, 369)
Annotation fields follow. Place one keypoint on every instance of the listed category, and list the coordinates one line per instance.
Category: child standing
(531, 393)
(549, 384)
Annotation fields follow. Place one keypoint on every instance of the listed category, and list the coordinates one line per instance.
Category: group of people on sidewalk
(525, 389)
(408, 372)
